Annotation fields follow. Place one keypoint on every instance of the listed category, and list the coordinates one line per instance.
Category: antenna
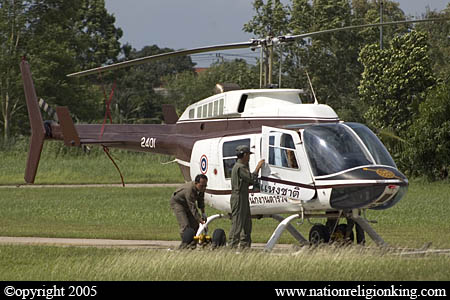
(381, 27)
(312, 89)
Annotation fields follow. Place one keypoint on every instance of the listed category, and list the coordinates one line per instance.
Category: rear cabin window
(216, 108)
(221, 106)
(210, 109)
(229, 154)
(205, 111)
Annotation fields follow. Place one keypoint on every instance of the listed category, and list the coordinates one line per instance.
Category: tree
(66, 37)
(271, 20)
(429, 136)
(331, 60)
(438, 33)
(12, 31)
(189, 87)
(395, 81)
(57, 37)
(135, 99)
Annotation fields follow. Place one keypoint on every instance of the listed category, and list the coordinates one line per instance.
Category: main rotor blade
(142, 60)
(291, 38)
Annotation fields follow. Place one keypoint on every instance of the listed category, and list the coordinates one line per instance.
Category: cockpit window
(282, 150)
(332, 148)
(375, 146)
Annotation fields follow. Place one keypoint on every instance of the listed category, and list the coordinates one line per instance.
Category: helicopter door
(286, 172)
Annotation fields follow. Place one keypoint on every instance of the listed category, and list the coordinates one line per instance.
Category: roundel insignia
(204, 164)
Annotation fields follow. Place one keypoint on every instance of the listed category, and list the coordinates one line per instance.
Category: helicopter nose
(368, 188)
(349, 197)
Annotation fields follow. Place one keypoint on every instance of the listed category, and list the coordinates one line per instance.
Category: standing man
(184, 203)
(241, 178)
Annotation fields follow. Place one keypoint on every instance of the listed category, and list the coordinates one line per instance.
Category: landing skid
(354, 215)
(285, 224)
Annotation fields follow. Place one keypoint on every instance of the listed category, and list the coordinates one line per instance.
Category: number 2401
(148, 142)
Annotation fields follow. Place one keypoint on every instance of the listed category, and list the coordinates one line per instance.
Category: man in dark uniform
(185, 202)
(241, 178)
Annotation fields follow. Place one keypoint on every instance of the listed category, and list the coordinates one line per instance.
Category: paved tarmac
(150, 244)
(88, 242)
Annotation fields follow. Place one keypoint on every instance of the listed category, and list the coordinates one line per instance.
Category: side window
(229, 154)
(221, 106)
(282, 151)
(216, 108)
(205, 111)
(210, 109)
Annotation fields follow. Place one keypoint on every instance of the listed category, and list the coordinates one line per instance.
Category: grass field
(80, 168)
(325, 264)
(144, 213)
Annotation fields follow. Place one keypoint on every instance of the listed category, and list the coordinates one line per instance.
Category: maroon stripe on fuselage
(305, 186)
(213, 128)
(227, 192)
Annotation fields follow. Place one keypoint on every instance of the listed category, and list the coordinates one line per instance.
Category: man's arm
(191, 198)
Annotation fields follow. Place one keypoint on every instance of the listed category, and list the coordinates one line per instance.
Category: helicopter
(316, 165)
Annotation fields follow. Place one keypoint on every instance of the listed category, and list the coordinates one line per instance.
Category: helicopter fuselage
(314, 161)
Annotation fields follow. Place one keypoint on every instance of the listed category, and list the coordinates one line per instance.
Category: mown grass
(323, 264)
(74, 166)
(144, 213)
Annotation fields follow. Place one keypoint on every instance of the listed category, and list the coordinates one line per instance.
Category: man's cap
(241, 149)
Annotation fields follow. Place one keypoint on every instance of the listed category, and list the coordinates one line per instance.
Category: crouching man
(185, 202)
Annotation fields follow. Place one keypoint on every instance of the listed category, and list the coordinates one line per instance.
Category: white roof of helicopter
(257, 103)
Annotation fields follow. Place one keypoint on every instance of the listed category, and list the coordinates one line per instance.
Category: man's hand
(204, 217)
(260, 164)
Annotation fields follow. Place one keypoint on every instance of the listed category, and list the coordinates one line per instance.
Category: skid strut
(202, 227)
(285, 224)
(367, 228)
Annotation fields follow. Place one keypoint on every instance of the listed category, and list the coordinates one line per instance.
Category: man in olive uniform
(241, 178)
(184, 203)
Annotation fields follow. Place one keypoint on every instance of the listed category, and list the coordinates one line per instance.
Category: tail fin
(36, 123)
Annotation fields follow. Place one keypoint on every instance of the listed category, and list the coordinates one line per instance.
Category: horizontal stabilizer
(69, 132)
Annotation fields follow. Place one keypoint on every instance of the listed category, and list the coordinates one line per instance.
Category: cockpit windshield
(375, 146)
(332, 148)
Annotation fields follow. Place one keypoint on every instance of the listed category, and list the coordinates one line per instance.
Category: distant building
(200, 70)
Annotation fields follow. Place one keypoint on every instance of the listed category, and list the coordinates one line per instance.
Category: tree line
(400, 89)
